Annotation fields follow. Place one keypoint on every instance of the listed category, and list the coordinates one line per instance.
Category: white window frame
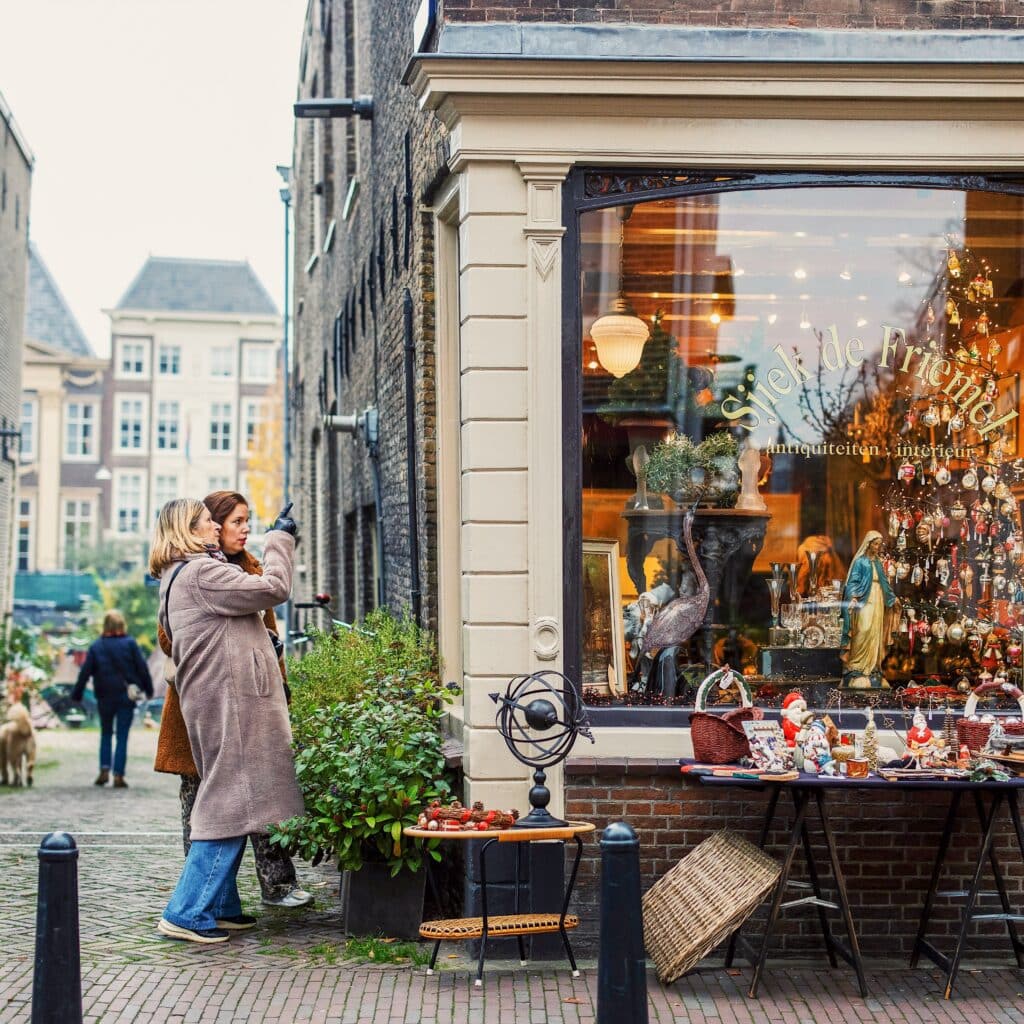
(162, 493)
(78, 520)
(116, 505)
(251, 423)
(29, 429)
(221, 482)
(227, 419)
(251, 349)
(174, 431)
(94, 447)
(119, 371)
(217, 363)
(26, 519)
(174, 359)
(143, 432)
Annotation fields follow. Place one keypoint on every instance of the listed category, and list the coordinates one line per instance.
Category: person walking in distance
(274, 868)
(232, 703)
(119, 677)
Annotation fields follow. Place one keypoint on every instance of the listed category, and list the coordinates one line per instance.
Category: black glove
(285, 522)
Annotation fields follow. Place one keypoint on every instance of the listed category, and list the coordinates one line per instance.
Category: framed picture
(604, 645)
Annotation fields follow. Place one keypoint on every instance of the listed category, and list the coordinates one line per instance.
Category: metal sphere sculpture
(536, 704)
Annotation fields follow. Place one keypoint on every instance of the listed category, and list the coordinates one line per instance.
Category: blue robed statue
(870, 614)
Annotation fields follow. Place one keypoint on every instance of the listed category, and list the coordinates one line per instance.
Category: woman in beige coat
(233, 705)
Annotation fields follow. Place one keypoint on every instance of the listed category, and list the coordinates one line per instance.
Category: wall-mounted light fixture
(361, 106)
(7, 435)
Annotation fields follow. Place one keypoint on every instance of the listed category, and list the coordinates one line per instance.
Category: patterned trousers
(274, 867)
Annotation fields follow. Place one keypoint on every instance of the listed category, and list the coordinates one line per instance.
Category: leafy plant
(138, 604)
(384, 951)
(26, 654)
(677, 464)
(366, 715)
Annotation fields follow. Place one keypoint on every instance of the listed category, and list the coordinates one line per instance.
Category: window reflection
(860, 349)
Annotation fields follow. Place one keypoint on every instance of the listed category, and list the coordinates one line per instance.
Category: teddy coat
(173, 752)
(229, 690)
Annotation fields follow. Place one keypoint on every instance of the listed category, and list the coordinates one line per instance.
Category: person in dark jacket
(114, 663)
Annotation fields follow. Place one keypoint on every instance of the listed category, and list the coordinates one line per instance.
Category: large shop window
(801, 448)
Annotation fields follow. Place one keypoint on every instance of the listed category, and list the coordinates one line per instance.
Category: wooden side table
(506, 925)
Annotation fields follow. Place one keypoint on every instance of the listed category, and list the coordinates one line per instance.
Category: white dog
(17, 748)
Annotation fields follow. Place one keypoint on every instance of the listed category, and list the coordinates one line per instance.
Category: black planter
(377, 904)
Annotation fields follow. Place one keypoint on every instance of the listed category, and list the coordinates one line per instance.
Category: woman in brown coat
(274, 868)
(229, 691)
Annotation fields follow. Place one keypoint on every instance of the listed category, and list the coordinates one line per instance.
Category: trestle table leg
(933, 885)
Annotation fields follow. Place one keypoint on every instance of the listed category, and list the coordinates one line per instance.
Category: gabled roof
(197, 286)
(48, 317)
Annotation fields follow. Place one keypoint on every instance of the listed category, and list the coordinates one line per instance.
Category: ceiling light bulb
(593, 364)
(904, 277)
(804, 322)
(845, 274)
(715, 318)
(861, 322)
(799, 234)
(772, 317)
(799, 273)
(738, 272)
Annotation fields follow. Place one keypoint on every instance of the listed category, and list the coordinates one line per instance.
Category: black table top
(872, 782)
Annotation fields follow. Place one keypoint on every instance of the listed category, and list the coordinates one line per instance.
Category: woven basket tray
(702, 900)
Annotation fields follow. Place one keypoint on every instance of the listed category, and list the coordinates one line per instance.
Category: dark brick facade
(381, 250)
(807, 14)
(887, 844)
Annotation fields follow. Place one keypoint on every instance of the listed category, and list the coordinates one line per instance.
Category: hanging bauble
(901, 541)
(973, 289)
(929, 315)
(988, 484)
(991, 387)
(1013, 652)
(999, 583)
(984, 627)
(916, 575)
(994, 348)
(942, 571)
(987, 288)
(956, 423)
(894, 524)
(959, 510)
(902, 569)
(946, 412)
(969, 480)
(953, 264)
(956, 633)
(1002, 490)
(930, 417)
(975, 350)
(942, 476)
(969, 624)
(923, 533)
(907, 471)
(939, 628)
(1007, 508)
(962, 355)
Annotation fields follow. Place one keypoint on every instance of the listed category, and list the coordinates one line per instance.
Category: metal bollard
(622, 963)
(57, 976)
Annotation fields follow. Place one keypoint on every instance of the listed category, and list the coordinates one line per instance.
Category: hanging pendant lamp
(619, 335)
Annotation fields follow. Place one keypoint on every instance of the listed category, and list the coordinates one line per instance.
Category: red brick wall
(823, 14)
(887, 844)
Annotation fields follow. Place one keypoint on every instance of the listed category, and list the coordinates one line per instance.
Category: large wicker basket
(720, 739)
(975, 734)
(702, 900)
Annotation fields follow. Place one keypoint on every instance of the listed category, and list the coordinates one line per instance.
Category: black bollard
(622, 963)
(57, 978)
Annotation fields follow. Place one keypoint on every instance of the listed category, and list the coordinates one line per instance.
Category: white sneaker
(292, 899)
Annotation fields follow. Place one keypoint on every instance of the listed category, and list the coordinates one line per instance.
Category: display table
(507, 925)
(990, 798)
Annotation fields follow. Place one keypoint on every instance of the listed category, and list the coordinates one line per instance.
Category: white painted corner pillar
(544, 231)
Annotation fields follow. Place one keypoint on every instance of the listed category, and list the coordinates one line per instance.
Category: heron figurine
(681, 618)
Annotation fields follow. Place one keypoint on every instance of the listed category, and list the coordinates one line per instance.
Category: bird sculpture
(679, 619)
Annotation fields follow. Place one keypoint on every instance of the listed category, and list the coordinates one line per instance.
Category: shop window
(80, 430)
(806, 370)
(169, 361)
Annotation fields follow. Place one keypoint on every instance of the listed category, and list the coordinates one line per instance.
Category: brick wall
(887, 843)
(362, 50)
(820, 14)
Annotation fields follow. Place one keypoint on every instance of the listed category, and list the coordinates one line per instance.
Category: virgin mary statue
(870, 614)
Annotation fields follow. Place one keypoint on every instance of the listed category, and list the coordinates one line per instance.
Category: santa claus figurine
(794, 711)
(922, 743)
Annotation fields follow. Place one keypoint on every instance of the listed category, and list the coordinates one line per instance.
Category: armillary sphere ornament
(536, 704)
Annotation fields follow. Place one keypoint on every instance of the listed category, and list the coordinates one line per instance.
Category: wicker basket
(720, 739)
(702, 900)
(975, 734)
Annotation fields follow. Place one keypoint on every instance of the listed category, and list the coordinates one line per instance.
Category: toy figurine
(871, 613)
(794, 708)
(922, 744)
(817, 755)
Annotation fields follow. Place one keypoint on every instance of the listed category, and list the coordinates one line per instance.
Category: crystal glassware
(775, 590)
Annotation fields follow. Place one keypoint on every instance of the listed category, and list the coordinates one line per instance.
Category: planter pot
(377, 904)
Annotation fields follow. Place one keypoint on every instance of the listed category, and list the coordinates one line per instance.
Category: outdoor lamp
(619, 335)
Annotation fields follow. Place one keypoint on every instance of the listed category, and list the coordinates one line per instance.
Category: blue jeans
(123, 714)
(206, 891)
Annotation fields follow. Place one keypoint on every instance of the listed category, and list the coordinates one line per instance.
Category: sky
(156, 127)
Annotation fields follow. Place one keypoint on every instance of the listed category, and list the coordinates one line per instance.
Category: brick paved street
(288, 969)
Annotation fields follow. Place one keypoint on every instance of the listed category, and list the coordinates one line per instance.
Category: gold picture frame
(604, 641)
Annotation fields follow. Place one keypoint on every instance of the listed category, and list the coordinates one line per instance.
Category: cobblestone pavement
(289, 968)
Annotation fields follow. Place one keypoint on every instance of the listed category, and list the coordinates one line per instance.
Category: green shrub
(366, 716)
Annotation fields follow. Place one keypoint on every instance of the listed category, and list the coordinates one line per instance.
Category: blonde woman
(114, 663)
(229, 689)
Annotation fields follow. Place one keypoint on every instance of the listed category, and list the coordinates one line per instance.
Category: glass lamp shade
(619, 338)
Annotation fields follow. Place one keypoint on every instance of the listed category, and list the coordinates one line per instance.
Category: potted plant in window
(367, 710)
(705, 472)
